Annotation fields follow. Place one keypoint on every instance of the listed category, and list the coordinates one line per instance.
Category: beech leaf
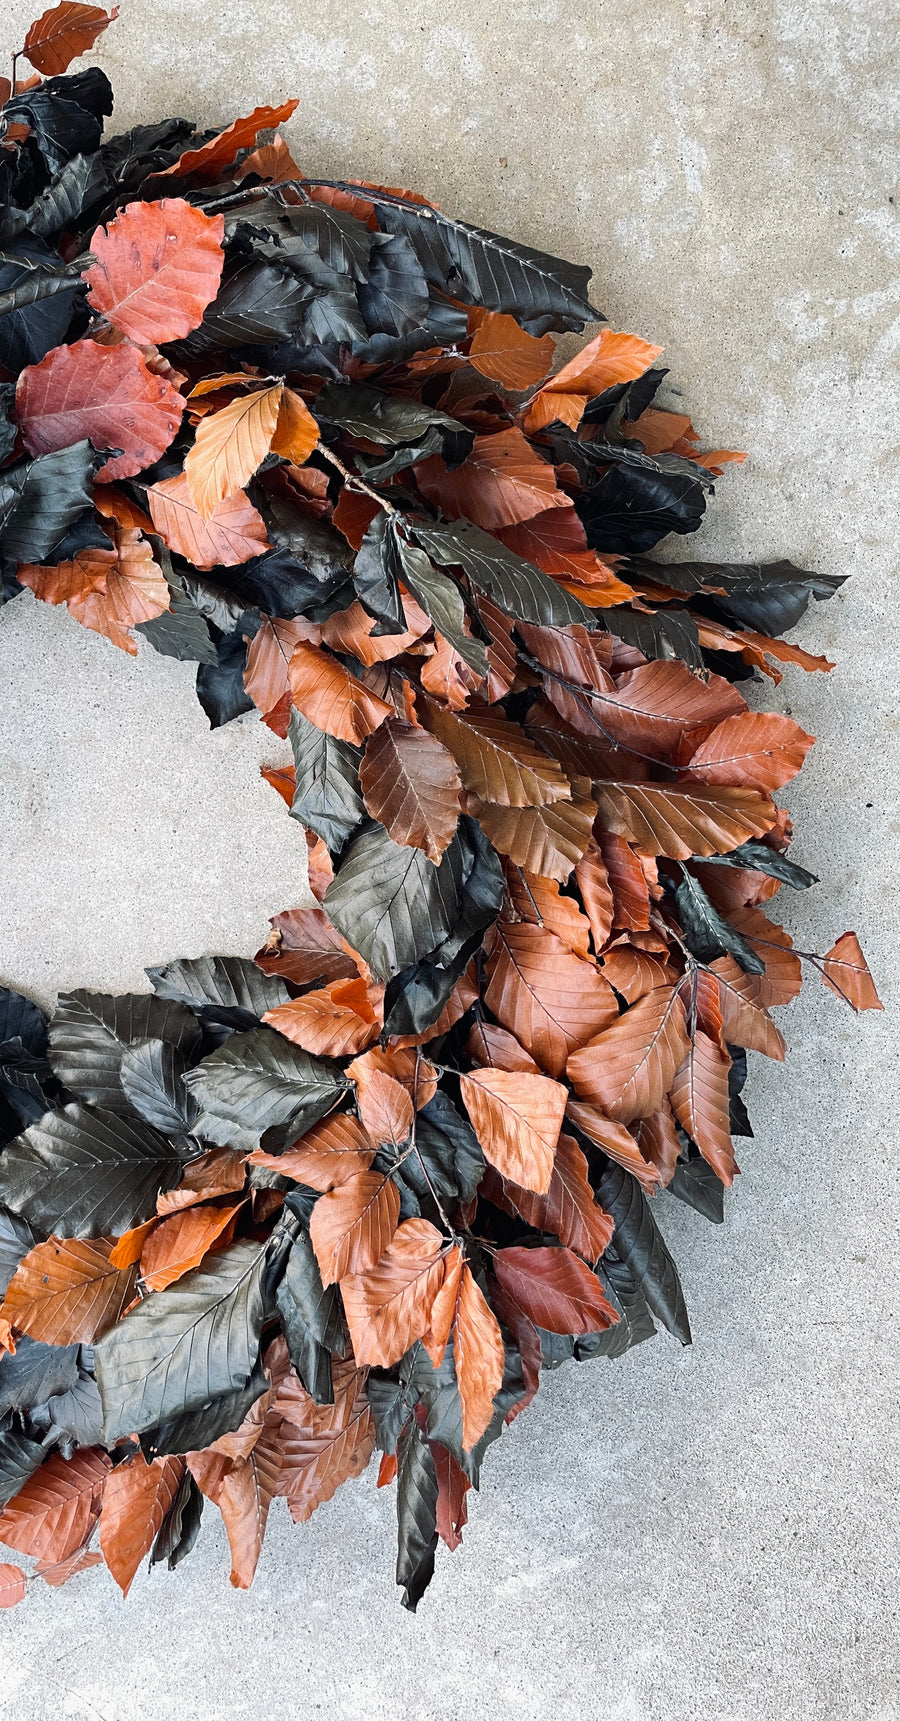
(517, 1119)
(158, 266)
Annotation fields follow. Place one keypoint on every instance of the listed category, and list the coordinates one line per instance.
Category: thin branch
(354, 482)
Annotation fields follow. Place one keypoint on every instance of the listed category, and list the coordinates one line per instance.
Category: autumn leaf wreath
(358, 1190)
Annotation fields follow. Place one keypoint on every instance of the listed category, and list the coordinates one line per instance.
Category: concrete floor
(702, 1536)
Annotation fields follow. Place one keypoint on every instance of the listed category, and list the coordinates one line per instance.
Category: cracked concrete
(708, 1535)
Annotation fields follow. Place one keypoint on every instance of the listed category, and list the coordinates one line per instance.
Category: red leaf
(555, 1289)
(208, 159)
(453, 1486)
(12, 1586)
(104, 393)
(61, 34)
(568, 1209)
(158, 267)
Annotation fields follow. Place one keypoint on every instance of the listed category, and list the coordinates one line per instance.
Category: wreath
(359, 1190)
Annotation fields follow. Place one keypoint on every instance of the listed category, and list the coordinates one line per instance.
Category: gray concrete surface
(701, 1536)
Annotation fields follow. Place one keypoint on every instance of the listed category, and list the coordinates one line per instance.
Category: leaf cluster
(360, 1190)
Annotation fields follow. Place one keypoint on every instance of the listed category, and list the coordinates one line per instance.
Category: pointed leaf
(53, 1513)
(517, 1120)
(389, 1306)
(391, 903)
(700, 1101)
(552, 1000)
(682, 821)
(62, 33)
(67, 1292)
(229, 446)
(104, 393)
(556, 1290)
(257, 1082)
(846, 972)
(136, 1499)
(84, 1173)
(628, 1069)
(330, 697)
(234, 532)
(411, 785)
(181, 1242)
(352, 1226)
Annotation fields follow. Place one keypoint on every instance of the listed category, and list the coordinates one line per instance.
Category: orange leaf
(541, 901)
(136, 1499)
(478, 1356)
(551, 999)
(649, 708)
(128, 1248)
(235, 533)
(12, 1586)
(331, 1153)
(334, 1022)
(615, 1140)
(555, 1289)
(745, 1020)
(411, 784)
(389, 1307)
(54, 1511)
(497, 1049)
(353, 515)
(243, 1490)
(333, 699)
(209, 158)
(412, 1072)
(502, 481)
(627, 882)
(106, 394)
(633, 972)
(61, 34)
(517, 1119)
(568, 1209)
(496, 759)
(555, 541)
(352, 1225)
(658, 1141)
(628, 1069)
(229, 446)
(296, 432)
(758, 748)
(846, 972)
(108, 591)
(283, 779)
(699, 1097)
(594, 886)
(680, 820)
(545, 840)
(448, 677)
(502, 350)
(783, 977)
(218, 1172)
(179, 1243)
(67, 1292)
(268, 657)
(607, 360)
(386, 1109)
(273, 162)
(158, 267)
(325, 1447)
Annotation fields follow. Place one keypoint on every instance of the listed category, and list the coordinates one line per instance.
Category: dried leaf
(700, 1101)
(67, 1292)
(846, 972)
(389, 1307)
(552, 1000)
(352, 1226)
(158, 266)
(502, 481)
(517, 1120)
(628, 1069)
(234, 533)
(333, 699)
(555, 1289)
(62, 33)
(136, 1498)
(229, 446)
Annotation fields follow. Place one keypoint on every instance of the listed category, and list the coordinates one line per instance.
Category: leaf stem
(353, 480)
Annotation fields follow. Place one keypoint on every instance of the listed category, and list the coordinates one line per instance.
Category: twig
(355, 482)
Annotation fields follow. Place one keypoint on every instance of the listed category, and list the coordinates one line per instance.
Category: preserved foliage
(360, 1189)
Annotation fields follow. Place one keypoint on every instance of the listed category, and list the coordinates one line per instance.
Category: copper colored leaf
(541, 901)
(136, 1498)
(846, 972)
(608, 359)
(386, 1109)
(453, 1486)
(306, 947)
(555, 542)
(545, 840)
(178, 1244)
(498, 1049)
(496, 759)
(784, 975)
(334, 1021)
(411, 784)
(128, 1247)
(632, 972)
(412, 1072)
(62, 33)
(650, 708)
(208, 159)
(478, 1355)
(443, 1309)
(448, 677)
(551, 999)
(657, 1139)
(353, 1224)
(218, 1172)
(628, 1069)
(502, 481)
(12, 1586)
(614, 1140)
(268, 657)
(243, 1490)
(333, 699)
(389, 1307)
(296, 432)
(758, 748)
(273, 162)
(332, 1152)
(517, 1119)
(331, 1446)
(53, 1513)
(745, 1018)
(109, 591)
(555, 1289)
(158, 266)
(699, 1096)
(235, 533)
(229, 446)
(106, 394)
(67, 1292)
(684, 820)
(595, 890)
(501, 349)
(568, 1209)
